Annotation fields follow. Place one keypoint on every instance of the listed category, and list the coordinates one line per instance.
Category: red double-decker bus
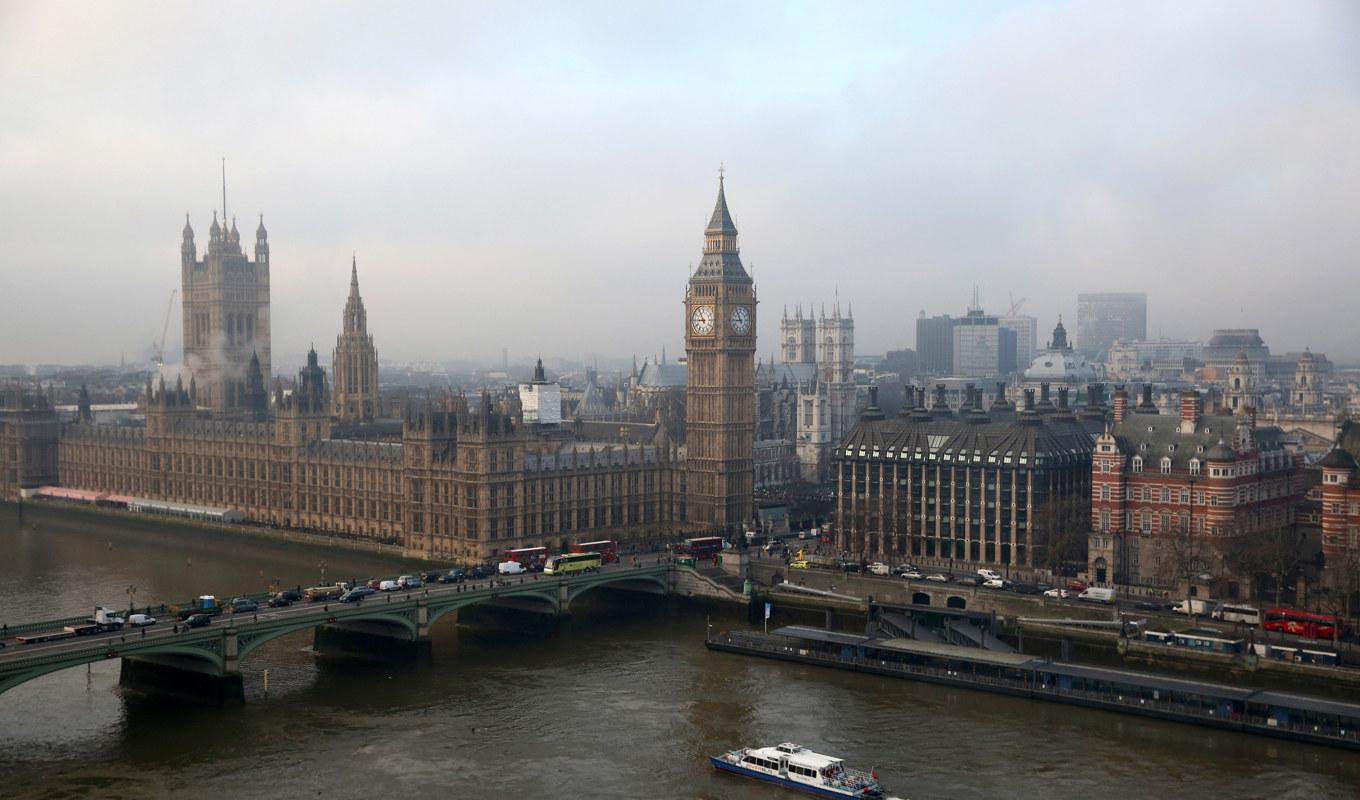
(530, 557)
(702, 546)
(607, 548)
(1300, 623)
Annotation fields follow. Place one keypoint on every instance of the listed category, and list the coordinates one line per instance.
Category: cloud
(538, 177)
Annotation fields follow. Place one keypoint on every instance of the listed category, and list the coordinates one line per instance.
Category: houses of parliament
(463, 477)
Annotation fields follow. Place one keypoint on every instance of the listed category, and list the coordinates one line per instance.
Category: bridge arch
(956, 601)
(19, 676)
(249, 641)
(646, 583)
(920, 598)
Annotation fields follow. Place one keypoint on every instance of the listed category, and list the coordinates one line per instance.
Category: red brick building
(1170, 490)
(1341, 507)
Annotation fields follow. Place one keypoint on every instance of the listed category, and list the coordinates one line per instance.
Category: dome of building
(1339, 459)
(1220, 452)
(1059, 363)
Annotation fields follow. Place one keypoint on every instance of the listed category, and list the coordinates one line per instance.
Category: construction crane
(1015, 306)
(165, 329)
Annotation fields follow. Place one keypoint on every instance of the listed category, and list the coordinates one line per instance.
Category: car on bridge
(912, 575)
(409, 582)
(510, 568)
(280, 600)
(389, 585)
(141, 620)
(938, 577)
(799, 564)
(452, 576)
(244, 605)
(198, 620)
(996, 583)
(356, 594)
(1057, 594)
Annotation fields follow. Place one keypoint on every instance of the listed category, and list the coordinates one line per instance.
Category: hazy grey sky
(537, 177)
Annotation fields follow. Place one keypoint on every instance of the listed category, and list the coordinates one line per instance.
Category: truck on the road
(317, 594)
(103, 621)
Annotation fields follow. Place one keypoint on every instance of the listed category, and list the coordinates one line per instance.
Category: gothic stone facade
(355, 364)
(720, 341)
(460, 483)
(225, 299)
(29, 431)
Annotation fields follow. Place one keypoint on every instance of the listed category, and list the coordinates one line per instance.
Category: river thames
(624, 703)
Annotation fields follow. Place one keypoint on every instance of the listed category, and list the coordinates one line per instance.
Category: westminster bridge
(204, 663)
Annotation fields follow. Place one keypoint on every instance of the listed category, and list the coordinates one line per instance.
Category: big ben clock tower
(720, 341)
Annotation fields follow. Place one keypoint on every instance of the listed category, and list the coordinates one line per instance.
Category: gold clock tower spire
(720, 341)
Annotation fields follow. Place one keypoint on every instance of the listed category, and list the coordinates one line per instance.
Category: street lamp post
(322, 565)
(131, 593)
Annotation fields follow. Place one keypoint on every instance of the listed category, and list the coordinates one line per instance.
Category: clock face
(701, 321)
(741, 320)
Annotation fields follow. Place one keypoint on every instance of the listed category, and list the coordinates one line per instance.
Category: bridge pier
(182, 679)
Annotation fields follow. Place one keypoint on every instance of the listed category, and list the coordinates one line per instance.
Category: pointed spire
(188, 229)
(354, 273)
(260, 232)
(663, 354)
(721, 221)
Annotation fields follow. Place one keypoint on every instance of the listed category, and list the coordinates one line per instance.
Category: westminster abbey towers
(226, 316)
(720, 341)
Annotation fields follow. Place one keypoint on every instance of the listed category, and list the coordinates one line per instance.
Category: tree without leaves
(1182, 555)
(1061, 528)
(1273, 551)
(1340, 585)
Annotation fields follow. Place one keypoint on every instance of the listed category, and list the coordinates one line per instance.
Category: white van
(989, 574)
(389, 586)
(510, 568)
(1096, 594)
(1194, 607)
(879, 568)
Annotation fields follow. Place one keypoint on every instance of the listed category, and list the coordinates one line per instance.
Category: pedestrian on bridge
(143, 631)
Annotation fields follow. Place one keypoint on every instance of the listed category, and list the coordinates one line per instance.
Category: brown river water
(623, 702)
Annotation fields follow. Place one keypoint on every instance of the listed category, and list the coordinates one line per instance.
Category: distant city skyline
(537, 179)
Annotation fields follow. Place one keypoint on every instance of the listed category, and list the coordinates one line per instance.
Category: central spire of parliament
(354, 372)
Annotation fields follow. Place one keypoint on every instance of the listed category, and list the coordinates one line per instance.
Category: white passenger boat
(795, 767)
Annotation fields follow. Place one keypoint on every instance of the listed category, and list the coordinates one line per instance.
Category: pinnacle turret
(721, 221)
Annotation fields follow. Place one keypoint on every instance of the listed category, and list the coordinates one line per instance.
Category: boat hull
(815, 791)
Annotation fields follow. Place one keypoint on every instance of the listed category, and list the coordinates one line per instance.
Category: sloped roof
(669, 375)
(1057, 439)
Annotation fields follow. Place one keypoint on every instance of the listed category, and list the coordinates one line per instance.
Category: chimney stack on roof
(1146, 406)
(1121, 404)
(1192, 408)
